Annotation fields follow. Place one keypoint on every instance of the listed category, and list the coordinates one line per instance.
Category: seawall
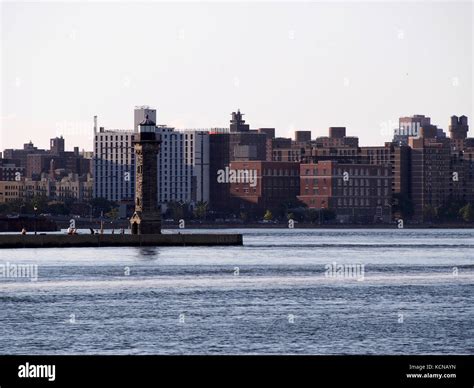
(116, 240)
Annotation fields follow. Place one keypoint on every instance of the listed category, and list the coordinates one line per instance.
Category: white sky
(292, 66)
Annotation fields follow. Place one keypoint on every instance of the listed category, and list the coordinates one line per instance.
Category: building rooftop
(147, 122)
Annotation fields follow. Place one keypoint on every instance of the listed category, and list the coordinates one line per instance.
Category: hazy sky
(291, 66)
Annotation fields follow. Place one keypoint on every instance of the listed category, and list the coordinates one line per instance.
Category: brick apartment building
(289, 150)
(397, 156)
(356, 192)
(35, 162)
(10, 170)
(262, 185)
(238, 143)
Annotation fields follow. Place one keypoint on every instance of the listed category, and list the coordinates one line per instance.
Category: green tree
(403, 205)
(101, 205)
(16, 206)
(311, 215)
(56, 207)
(4, 208)
(268, 216)
(328, 214)
(449, 210)
(289, 207)
(40, 201)
(200, 210)
(429, 213)
(467, 213)
(175, 210)
(113, 213)
(299, 213)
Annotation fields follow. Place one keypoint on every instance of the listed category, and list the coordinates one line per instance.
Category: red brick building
(356, 192)
(431, 175)
(257, 186)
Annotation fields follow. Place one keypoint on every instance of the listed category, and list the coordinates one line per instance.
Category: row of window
(350, 182)
(174, 198)
(33, 188)
(342, 172)
(111, 152)
(280, 172)
(111, 137)
(347, 192)
(360, 202)
(245, 190)
(115, 146)
(165, 191)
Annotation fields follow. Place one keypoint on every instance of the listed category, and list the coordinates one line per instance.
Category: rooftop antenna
(95, 125)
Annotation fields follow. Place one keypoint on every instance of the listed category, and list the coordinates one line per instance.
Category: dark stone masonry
(147, 216)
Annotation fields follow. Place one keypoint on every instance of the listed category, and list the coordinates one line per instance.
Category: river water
(288, 291)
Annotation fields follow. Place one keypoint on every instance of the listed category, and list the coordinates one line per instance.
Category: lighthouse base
(149, 224)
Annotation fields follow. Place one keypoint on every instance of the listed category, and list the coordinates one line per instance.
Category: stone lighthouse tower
(147, 216)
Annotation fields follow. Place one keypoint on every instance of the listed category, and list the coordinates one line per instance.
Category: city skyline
(330, 172)
(379, 63)
(390, 133)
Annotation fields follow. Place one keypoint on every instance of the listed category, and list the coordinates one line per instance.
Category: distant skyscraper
(183, 166)
(140, 113)
(239, 143)
(200, 160)
(410, 127)
(430, 173)
(114, 165)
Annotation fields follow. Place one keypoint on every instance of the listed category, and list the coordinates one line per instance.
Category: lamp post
(19, 217)
(90, 213)
(321, 208)
(36, 215)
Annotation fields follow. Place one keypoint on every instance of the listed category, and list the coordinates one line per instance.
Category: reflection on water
(147, 253)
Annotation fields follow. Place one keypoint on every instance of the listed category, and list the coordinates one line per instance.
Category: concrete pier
(114, 240)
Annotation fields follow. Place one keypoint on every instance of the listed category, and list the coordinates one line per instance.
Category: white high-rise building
(114, 164)
(140, 113)
(183, 166)
(200, 159)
